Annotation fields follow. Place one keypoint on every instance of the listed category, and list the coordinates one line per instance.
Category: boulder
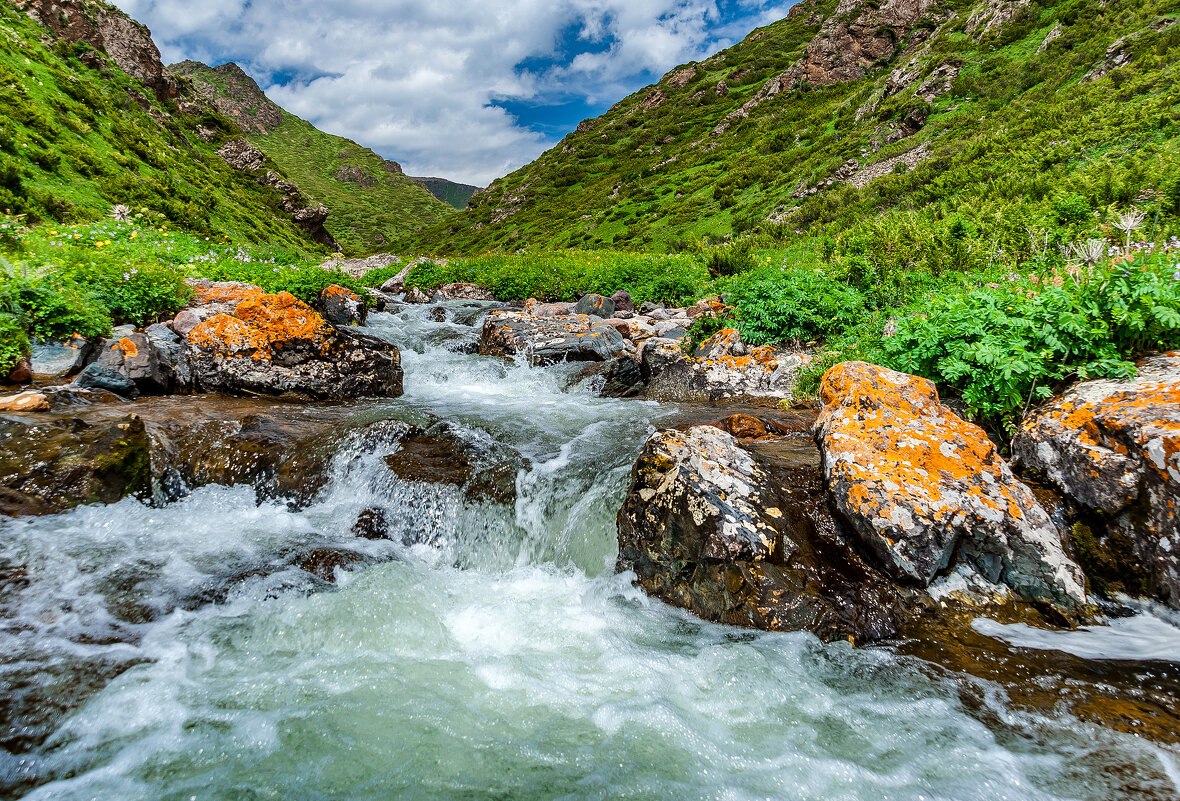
(622, 379)
(537, 309)
(596, 305)
(106, 380)
(61, 359)
(1113, 448)
(50, 466)
(446, 454)
(185, 321)
(416, 295)
(21, 373)
(707, 528)
(461, 291)
(30, 401)
(546, 340)
(137, 357)
(341, 306)
(724, 369)
(169, 348)
(397, 284)
(623, 302)
(924, 490)
(656, 355)
(276, 344)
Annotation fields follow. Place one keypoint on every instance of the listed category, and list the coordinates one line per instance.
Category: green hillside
(372, 202)
(952, 130)
(78, 136)
(449, 192)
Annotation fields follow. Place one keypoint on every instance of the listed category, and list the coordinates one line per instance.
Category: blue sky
(455, 88)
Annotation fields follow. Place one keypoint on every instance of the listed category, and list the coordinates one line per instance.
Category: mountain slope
(457, 195)
(90, 118)
(923, 111)
(372, 202)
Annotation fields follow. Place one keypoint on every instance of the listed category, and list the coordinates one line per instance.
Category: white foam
(1142, 637)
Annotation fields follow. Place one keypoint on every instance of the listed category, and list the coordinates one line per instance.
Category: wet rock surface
(60, 359)
(48, 465)
(546, 340)
(923, 489)
(341, 306)
(706, 527)
(1113, 449)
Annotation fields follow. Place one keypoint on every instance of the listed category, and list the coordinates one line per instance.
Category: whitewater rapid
(485, 652)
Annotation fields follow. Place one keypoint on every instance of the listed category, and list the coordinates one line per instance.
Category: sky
(458, 89)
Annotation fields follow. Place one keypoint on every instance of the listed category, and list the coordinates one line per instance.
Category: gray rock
(139, 358)
(161, 333)
(545, 340)
(95, 377)
(705, 527)
(595, 305)
(341, 306)
(656, 354)
(648, 307)
(61, 359)
(397, 284)
(416, 295)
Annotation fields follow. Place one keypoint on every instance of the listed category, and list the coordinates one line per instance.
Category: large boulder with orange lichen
(925, 490)
(1113, 447)
(140, 359)
(277, 345)
(721, 368)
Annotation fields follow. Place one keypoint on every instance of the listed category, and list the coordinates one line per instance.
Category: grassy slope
(449, 192)
(75, 141)
(1017, 131)
(363, 218)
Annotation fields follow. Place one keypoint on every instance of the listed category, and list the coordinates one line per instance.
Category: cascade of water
(486, 650)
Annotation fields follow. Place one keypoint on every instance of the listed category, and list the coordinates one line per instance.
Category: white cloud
(415, 79)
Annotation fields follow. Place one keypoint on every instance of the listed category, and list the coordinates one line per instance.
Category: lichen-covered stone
(276, 344)
(725, 368)
(924, 488)
(596, 305)
(341, 306)
(461, 291)
(546, 340)
(140, 359)
(1113, 447)
(705, 527)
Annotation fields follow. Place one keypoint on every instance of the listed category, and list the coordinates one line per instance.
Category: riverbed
(487, 650)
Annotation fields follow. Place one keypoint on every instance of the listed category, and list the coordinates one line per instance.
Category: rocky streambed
(306, 591)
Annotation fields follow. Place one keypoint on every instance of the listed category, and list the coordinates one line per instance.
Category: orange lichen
(128, 347)
(261, 324)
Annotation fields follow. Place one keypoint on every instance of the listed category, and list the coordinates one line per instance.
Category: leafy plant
(777, 305)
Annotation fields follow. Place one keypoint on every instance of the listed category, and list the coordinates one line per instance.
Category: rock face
(139, 359)
(240, 99)
(546, 340)
(1113, 448)
(307, 214)
(104, 28)
(708, 529)
(924, 489)
(50, 466)
(276, 344)
(724, 369)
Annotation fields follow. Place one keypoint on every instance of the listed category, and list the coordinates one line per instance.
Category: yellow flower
(134, 234)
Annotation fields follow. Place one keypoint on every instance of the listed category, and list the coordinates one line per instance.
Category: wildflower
(121, 213)
(134, 234)
(1130, 221)
(126, 276)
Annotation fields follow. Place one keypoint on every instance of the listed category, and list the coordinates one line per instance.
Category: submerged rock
(48, 466)
(705, 527)
(276, 344)
(30, 401)
(923, 489)
(444, 454)
(1113, 448)
(546, 340)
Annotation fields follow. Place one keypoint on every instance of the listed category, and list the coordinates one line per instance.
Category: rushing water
(497, 656)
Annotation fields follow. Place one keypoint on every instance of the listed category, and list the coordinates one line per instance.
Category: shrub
(781, 305)
(727, 260)
(14, 343)
(140, 295)
(1003, 348)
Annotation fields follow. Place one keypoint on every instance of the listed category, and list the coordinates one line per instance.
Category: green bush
(792, 305)
(1003, 348)
(55, 311)
(140, 295)
(728, 260)
(14, 343)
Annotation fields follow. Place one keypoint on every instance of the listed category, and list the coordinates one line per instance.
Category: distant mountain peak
(235, 94)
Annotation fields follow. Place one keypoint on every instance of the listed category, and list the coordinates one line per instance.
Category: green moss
(1108, 560)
